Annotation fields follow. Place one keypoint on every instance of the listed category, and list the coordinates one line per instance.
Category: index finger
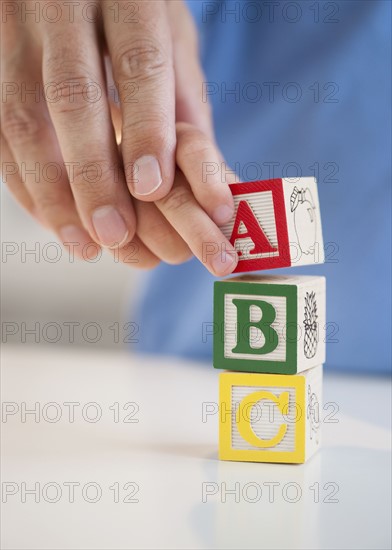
(200, 161)
(141, 53)
(202, 235)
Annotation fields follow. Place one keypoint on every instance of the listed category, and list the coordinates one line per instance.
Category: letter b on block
(269, 324)
(264, 325)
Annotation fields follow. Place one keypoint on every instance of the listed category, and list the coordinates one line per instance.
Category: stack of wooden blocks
(269, 331)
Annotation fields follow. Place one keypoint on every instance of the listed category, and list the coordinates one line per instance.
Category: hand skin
(149, 193)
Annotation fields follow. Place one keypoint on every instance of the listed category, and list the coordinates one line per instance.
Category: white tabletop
(166, 464)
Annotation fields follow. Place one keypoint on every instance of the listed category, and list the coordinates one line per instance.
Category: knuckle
(161, 233)
(20, 123)
(86, 175)
(168, 245)
(70, 88)
(148, 132)
(177, 199)
(140, 59)
(51, 208)
(149, 121)
(146, 129)
(193, 143)
(202, 236)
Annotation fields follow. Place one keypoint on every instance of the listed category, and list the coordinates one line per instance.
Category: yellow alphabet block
(269, 417)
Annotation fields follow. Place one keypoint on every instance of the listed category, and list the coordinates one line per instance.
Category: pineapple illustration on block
(276, 224)
(310, 325)
(269, 324)
(269, 417)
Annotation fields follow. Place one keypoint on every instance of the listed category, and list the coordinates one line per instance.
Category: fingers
(41, 182)
(159, 236)
(135, 254)
(11, 177)
(72, 66)
(70, 234)
(191, 106)
(203, 237)
(201, 163)
(141, 54)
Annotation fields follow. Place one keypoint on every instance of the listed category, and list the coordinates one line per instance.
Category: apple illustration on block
(303, 207)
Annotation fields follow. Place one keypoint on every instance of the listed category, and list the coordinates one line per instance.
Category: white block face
(311, 314)
(265, 418)
(303, 221)
(257, 338)
(314, 408)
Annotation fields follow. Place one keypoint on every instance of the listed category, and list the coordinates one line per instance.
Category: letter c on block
(244, 426)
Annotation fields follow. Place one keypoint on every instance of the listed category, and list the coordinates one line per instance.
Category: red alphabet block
(276, 223)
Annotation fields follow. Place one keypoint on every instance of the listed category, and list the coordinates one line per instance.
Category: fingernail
(147, 175)
(109, 226)
(222, 214)
(80, 241)
(225, 261)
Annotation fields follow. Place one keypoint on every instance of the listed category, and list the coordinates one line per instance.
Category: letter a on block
(258, 229)
(245, 216)
(276, 223)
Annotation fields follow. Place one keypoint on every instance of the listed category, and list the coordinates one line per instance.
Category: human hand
(61, 127)
(176, 227)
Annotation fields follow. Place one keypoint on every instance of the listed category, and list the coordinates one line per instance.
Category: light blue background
(352, 133)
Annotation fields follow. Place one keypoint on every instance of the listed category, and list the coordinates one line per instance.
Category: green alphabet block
(269, 324)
